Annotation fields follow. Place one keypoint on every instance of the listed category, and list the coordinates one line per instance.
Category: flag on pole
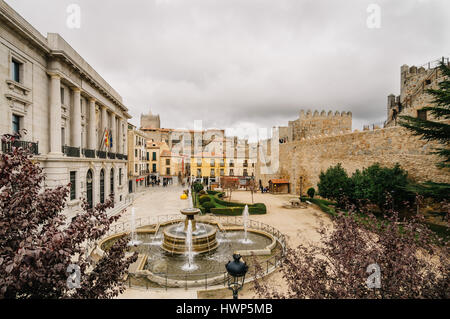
(106, 138)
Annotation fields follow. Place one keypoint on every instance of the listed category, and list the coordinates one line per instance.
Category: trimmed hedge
(203, 199)
(208, 205)
(231, 209)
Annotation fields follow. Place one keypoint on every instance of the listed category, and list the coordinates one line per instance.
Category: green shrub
(229, 211)
(311, 192)
(203, 199)
(335, 184)
(375, 184)
(208, 205)
(212, 192)
(198, 187)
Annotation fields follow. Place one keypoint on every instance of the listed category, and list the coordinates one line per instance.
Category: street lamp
(236, 274)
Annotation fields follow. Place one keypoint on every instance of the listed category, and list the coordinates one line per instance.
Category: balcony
(89, 153)
(101, 154)
(71, 151)
(32, 147)
(111, 155)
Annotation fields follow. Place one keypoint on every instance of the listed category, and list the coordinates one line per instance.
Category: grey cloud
(254, 62)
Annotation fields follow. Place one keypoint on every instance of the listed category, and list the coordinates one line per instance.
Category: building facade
(75, 122)
(138, 160)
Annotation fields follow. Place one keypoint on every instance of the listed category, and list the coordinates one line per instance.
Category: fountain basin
(203, 240)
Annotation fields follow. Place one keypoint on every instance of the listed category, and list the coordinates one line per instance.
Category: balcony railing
(111, 155)
(101, 154)
(71, 151)
(119, 156)
(89, 153)
(30, 146)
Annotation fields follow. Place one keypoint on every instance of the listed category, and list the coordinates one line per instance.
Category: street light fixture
(236, 274)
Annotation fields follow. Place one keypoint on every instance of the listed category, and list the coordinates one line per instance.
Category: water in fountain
(189, 266)
(246, 240)
(134, 241)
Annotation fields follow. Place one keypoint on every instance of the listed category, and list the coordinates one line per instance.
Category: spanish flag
(106, 138)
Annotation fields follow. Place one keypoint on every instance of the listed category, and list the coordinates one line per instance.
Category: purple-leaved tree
(37, 244)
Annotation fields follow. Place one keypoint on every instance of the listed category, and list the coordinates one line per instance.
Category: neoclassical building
(76, 123)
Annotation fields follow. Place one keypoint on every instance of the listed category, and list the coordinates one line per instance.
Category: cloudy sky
(249, 63)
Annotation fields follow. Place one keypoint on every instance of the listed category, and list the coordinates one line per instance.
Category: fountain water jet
(190, 253)
(245, 221)
(134, 241)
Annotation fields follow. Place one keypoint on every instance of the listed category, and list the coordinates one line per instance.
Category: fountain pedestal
(203, 240)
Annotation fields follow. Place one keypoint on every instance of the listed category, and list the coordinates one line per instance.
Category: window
(136, 167)
(15, 71)
(154, 156)
(111, 181)
(120, 176)
(154, 168)
(199, 172)
(245, 172)
(73, 185)
(222, 172)
(167, 161)
(63, 136)
(213, 162)
(15, 123)
(231, 172)
(148, 156)
(135, 153)
(62, 95)
(168, 171)
(212, 172)
(102, 186)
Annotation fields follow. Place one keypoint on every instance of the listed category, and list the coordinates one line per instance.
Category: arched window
(89, 188)
(102, 186)
(112, 181)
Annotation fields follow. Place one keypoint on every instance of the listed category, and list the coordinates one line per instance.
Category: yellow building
(138, 169)
(208, 166)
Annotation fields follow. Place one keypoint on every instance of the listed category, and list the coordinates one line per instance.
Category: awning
(279, 181)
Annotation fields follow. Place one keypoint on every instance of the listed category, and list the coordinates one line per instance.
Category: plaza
(298, 225)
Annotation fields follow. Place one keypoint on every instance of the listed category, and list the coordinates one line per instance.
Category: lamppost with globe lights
(236, 274)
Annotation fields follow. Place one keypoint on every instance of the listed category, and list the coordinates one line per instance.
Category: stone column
(125, 138)
(55, 115)
(76, 118)
(120, 137)
(113, 133)
(104, 126)
(92, 126)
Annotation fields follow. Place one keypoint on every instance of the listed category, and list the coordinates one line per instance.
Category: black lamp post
(236, 274)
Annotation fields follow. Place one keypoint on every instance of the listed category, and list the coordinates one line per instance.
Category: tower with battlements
(311, 124)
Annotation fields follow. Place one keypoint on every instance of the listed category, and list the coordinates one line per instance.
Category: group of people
(264, 189)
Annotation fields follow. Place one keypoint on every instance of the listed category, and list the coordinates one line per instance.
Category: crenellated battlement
(309, 114)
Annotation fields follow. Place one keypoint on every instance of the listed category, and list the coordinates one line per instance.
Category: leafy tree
(335, 184)
(37, 243)
(375, 183)
(411, 265)
(311, 192)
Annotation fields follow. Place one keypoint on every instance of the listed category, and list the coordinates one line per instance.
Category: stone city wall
(355, 150)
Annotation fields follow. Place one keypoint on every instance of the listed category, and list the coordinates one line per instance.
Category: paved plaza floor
(299, 226)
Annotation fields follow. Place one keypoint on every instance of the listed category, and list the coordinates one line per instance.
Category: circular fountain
(199, 238)
(192, 251)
